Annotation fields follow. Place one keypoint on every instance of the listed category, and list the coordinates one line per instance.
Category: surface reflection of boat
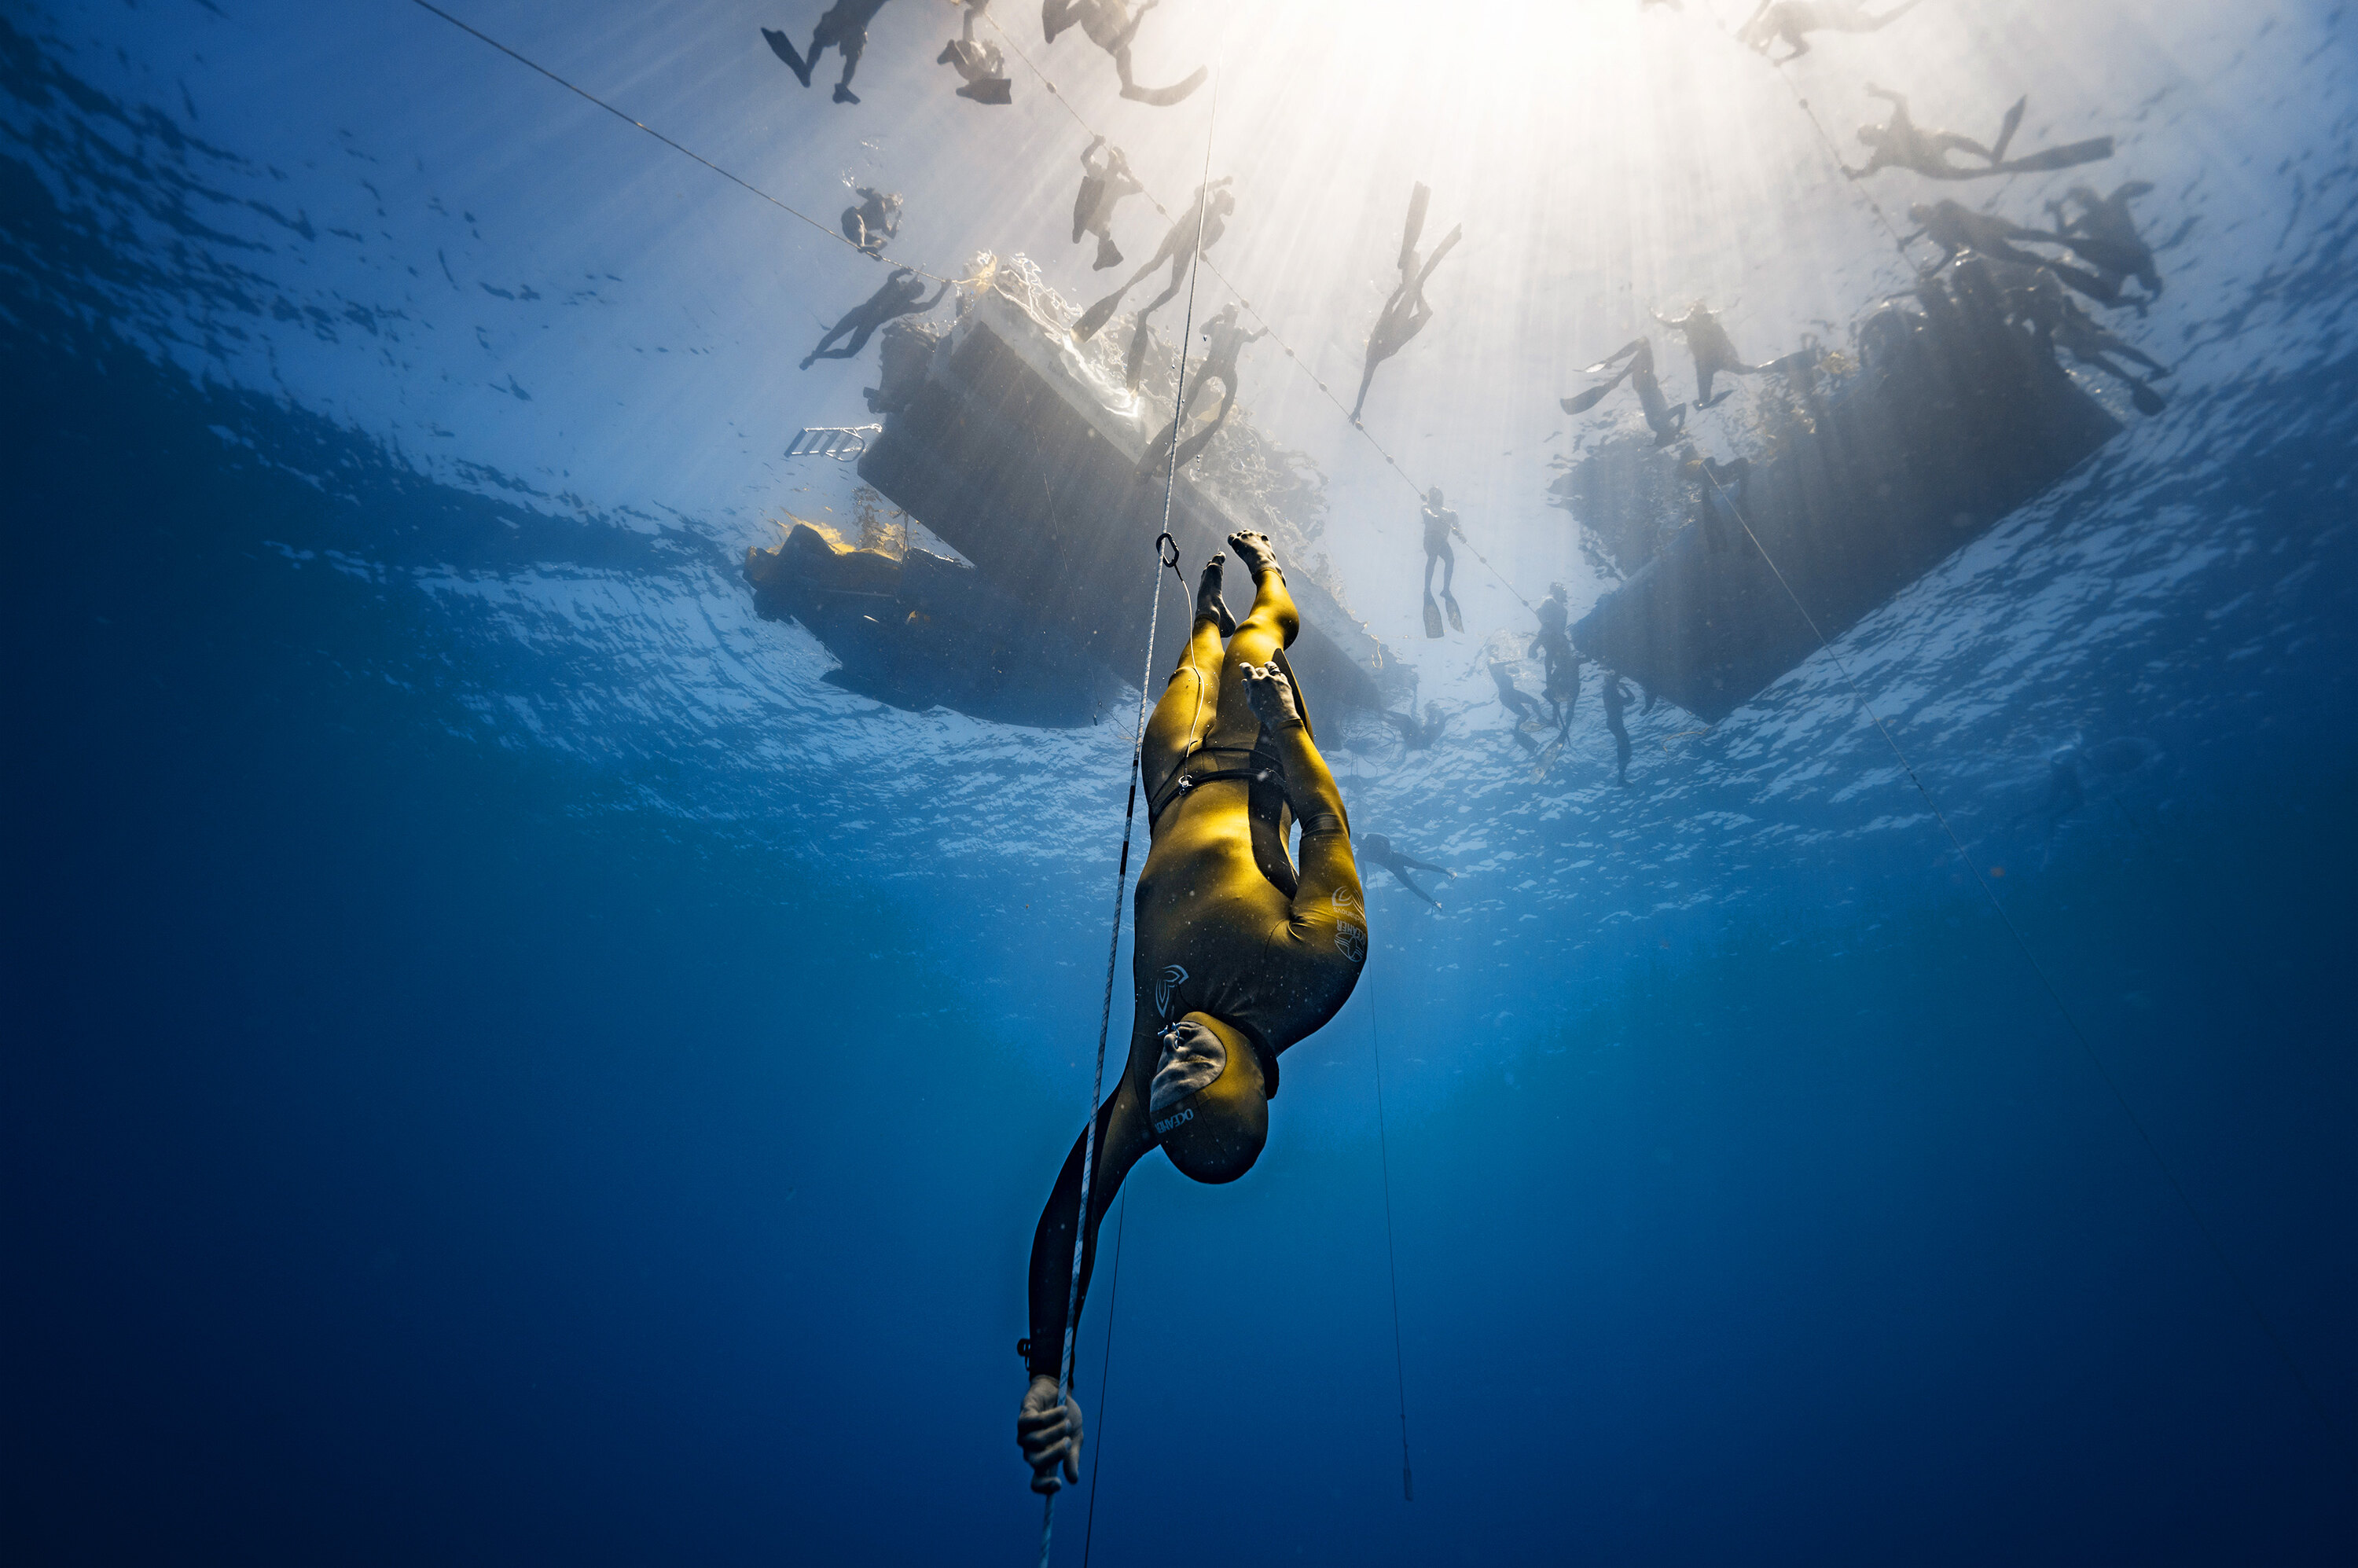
(918, 631)
(1956, 419)
(1008, 442)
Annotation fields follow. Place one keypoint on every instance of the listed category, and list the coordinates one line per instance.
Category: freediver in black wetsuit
(1898, 143)
(875, 222)
(2059, 322)
(1616, 699)
(1406, 312)
(1112, 25)
(1522, 704)
(1440, 523)
(1561, 688)
(1667, 423)
(2104, 234)
(1105, 180)
(1228, 339)
(983, 65)
(1418, 735)
(1791, 20)
(1956, 228)
(1377, 850)
(1198, 230)
(1715, 351)
(897, 297)
(843, 24)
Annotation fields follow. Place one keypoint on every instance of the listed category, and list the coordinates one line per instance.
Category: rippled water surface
(510, 1065)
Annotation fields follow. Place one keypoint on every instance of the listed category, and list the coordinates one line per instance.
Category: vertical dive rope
(1128, 820)
(1392, 1259)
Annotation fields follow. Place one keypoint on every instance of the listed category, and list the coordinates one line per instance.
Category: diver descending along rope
(2022, 945)
(829, 231)
(1269, 327)
(1391, 1258)
(1121, 870)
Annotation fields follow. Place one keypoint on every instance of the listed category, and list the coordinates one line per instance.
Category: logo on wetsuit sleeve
(1172, 976)
(1350, 931)
(1168, 1122)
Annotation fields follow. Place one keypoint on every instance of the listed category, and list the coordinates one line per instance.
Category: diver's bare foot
(1254, 550)
(1209, 606)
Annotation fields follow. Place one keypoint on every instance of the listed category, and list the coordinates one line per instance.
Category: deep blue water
(504, 1066)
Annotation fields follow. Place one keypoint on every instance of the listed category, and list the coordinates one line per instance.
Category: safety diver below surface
(1238, 954)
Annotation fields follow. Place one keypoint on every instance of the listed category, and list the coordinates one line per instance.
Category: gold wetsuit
(1225, 924)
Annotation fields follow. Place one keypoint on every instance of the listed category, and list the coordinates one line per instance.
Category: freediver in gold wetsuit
(1238, 955)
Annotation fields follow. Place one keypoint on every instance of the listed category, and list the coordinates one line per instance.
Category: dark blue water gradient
(422, 1146)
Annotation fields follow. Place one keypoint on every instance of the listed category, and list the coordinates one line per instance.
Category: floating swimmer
(1238, 955)
(2106, 236)
(1440, 523)
(1561, 688)
(1406, 312)
(1377, 850)
(1112, 25)
(897, 297)
(1900, 144)
(2059, 320)
(1519, 702)
(1198, 230)
(1419, 734)
(983, 65)
(1105, 180)
(1715, 492)
(875, 222)
(1667, 423)
(843, 24)
(1616, 697)
(1792, 21)
(1714, 352)
(1228, 339)
(1956, 229)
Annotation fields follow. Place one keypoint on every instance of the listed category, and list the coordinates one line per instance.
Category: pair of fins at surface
(1432, 614)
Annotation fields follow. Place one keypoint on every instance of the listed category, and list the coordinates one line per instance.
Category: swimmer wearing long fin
(1238, 955)
(843, 24)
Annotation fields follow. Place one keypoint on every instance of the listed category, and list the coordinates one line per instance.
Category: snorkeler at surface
(983, 65)
(1713, 352)
(1957, 228)
(1899, 143)
(1667, 423)
(843, 24)
(1716, 496)
(1238, 955)
(1377, 850)
(1198, 229)
(1519, 702)
(2059, 320)
(1406, 312)
(1791, 20)
(1105, 180)
(1440, 523)
(875, 222)
(1562, 685)
(2105, 235)
(1419, 734)
(1112, 25)
(1616, 697)
(897, 297)
(1228, 339)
